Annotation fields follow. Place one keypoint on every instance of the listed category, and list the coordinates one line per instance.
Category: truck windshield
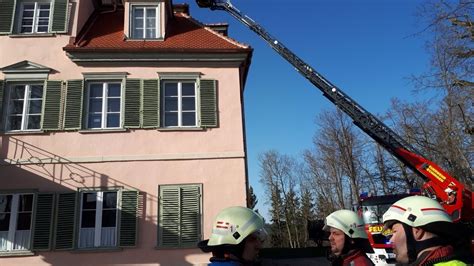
(373, 208)
(372, 214)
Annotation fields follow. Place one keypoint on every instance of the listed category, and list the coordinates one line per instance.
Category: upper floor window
(25, 102)
(15, 221)
(104, 105)
(145, 22)
(179, 103)
(52, 105)
(34, 17)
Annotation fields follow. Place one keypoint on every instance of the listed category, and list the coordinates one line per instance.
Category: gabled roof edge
(234, 42)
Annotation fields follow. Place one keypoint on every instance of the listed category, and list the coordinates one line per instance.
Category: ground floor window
(180, 216)
(98, 224)
(15, 221)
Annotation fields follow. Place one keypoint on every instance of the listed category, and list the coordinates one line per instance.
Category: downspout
(245, 67)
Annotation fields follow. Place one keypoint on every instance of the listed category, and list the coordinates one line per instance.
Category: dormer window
(145, 22)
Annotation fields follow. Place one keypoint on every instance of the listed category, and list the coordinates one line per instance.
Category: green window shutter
(7, 11)
(52, 105)
(73, 105)
(128, 219)
(190, 215)
(43, 222)
(2, 90)
(132, 103)
(180, 216)
(60, 19)
(169, 217)
(65, 221)
(208, 97)
(151, 107)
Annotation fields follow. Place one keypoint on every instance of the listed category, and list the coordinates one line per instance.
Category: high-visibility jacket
(451, 263)
(442, 256)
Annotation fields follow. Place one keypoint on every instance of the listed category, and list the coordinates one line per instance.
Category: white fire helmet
(347, 221)
(234, 224)
(449, 190)
(415, 211)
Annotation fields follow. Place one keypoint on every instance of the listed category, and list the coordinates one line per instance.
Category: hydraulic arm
(436, 179)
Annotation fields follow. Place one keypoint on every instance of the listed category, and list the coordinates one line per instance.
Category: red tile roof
(183, 34)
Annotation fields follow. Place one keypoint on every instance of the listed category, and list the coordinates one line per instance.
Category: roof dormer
(145, 19)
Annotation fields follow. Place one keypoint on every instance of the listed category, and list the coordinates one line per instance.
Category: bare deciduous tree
(279, 178)
(451, 46)
(334, 162)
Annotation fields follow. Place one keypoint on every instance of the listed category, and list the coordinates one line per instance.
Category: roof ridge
(227, 38)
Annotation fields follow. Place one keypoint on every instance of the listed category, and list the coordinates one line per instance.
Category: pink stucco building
(122, 131)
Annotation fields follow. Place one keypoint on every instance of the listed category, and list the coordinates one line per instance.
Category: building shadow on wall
(25, 166)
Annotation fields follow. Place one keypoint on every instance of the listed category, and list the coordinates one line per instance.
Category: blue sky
(367, 48)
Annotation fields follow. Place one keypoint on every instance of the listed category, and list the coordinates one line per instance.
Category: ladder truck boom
(436, 179)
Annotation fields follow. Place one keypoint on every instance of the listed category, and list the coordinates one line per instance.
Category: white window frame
(26, 104)
(180, 98)
(98, 218)
(157, 8)
(34, 26)
(105, 102)
(14, 213)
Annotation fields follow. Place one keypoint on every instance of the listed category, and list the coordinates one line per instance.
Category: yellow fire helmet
(348, 222)
(415, 211)
(234, 224)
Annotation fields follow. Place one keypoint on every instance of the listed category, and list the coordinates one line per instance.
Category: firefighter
(348, 239)
(421, 232)
(237, 236)
(451, 192)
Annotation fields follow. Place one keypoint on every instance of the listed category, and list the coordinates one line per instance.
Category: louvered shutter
(2, 92)
(60, 16)
(65, 221)
(43, 223)
(169, 217)
(7, 11)
(208, 98)
(132, 103)
(180, 212)
(151, 107)
(190, 215)
(73, 105)
(128, 219)
(52, 105)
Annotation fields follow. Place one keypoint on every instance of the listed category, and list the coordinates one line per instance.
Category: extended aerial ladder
(436, 179)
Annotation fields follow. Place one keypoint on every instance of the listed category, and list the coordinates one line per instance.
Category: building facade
(122, 131)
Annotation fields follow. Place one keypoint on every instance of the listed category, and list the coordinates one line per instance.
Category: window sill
(23, 132)
(144, 40)
(181, 129)
(28, 35)
(17, 253)
(95, 250)
(92, 131)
